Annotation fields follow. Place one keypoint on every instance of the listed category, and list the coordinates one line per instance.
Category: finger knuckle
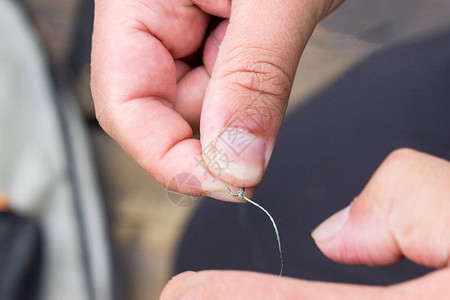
(393, 170)
(389, 178)
(401, 156)
(261, 74)
(262, 86)
(396, 165)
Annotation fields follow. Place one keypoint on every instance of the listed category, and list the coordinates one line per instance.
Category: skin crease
(149, 100)
(404, 208)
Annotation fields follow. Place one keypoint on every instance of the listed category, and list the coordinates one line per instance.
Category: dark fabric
(327, 150)
(20, 258)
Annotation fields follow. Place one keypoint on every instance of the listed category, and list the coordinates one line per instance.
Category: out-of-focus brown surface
(54, 20)
(145, 225)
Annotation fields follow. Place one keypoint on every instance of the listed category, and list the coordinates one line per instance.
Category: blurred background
(144, 226)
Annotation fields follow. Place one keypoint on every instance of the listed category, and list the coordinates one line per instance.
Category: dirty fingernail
(241, 155)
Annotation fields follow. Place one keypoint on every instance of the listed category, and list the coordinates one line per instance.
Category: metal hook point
(240, 193)
(231, 193)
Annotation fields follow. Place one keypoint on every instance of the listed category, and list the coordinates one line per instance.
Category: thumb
(250, 84)
(403, 211)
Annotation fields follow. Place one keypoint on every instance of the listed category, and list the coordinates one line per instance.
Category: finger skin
(404, 210)
(138, 77)
(219, 8)
(192, 85)
(251, 81)
(211, 50)
(190, 92)
(237, 285)
(433, 286)
(134, 86)
(240, 285)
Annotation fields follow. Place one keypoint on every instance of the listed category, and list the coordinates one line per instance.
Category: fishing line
(214, 40)
(241, 194)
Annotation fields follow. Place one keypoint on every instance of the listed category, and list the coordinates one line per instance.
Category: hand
(148, 98)
(403, 211)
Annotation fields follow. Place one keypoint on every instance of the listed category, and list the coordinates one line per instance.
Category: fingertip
(328, 236)
(176, 286)
(181, 69)
(328, 229)
(356, 235)
(228, 197)
(190, 93)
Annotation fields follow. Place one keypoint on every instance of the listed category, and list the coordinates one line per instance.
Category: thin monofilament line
(276, 231)
(241, 194)
(214, 39)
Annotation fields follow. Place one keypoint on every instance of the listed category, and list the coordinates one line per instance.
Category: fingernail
(331, 226)
(240, 154)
